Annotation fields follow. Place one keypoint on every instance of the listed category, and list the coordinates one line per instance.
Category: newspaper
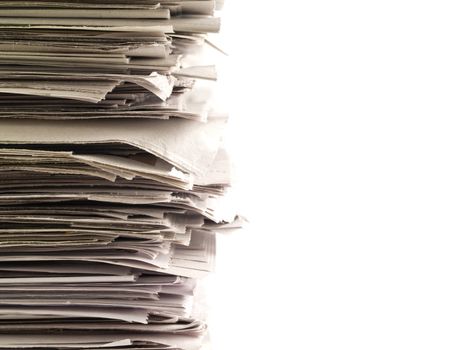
(113, 174)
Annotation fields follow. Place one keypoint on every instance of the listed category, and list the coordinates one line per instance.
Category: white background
(350, 135)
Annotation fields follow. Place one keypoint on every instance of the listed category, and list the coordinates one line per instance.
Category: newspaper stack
(112, 173)
(92, 59)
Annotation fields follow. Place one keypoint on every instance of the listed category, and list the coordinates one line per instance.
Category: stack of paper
(108, 59)
(112, 173)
